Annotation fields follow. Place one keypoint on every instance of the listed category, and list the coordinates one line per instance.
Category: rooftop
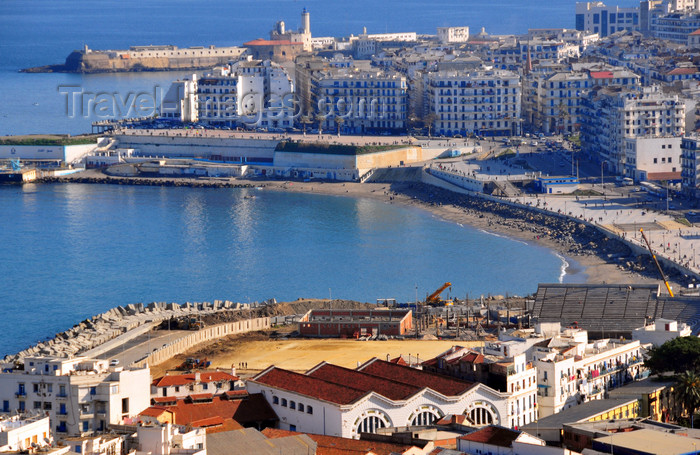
(578, 413)
(493, 435)
(650, 442)
(333, 445)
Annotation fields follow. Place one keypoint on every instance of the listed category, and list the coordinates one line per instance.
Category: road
(139, 347)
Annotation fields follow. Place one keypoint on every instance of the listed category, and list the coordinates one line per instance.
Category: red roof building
(182, 385)
(337, 401)
(493, 439)
(333, 445)
(355, 323)
(205, 410)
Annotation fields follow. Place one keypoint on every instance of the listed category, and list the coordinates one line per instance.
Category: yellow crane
(434, 298)
(656, 261)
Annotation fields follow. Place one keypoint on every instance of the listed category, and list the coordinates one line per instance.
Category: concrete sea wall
(201, 336)
(99, 333)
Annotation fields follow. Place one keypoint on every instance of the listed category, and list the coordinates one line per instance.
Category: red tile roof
(394, 390)
(333, 445)
(452, 418)
(493, 435)
(208, 422)
(658, 176)
(153, 411)
(681, 71)
(189, 378)
(696, 32)
(601, 74)
(228, 425)
(201, 396)
(252, 409)
(233, 394)
(442, 384)
(164, 400)
(309, 386)
(264, 42)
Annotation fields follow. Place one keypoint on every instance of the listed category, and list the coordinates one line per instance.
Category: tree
(678, 355)
(320, 118)
(305, 120)
(339, 122)
(688, 389)
(429, 120)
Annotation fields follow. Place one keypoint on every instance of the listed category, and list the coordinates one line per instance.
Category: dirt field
(302, 354)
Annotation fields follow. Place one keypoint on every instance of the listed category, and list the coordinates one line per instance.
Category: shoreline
(574, 244)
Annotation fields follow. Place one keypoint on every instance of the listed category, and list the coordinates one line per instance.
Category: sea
(70, 251)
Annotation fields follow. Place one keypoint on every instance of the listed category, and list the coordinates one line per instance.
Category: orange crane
(434, 298)
(656, 261)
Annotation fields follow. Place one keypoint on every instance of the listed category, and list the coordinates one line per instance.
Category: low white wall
(200, 336)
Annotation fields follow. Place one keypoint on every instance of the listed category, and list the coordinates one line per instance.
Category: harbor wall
(204, 335)
(229, 149)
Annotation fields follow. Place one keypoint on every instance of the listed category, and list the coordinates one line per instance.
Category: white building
(501, 366)
(625, 114)
(367, 101)
(180, 101)
(571, 371)
(661, 331)
(96, 445)
(453, 34)
(18, 433)
(249, 93)
(80, 395)
(690, 164)
(302, 35)
(496, 440)
(167, 439)
(653, 158)
(485, 103)
(182, 385)
(605, 20)
(337, 401)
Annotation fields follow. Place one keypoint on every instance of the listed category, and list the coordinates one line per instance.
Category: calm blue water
(41, 32)
(71, 251)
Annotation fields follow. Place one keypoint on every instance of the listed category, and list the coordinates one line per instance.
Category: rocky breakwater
(125, 322)
(153, 181)
(567, 235)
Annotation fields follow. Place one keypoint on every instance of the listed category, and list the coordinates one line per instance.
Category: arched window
(481, 416)
(284, 402)
(370, 421)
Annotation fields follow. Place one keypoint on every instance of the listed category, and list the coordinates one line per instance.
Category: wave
(564, 267)
(503, 236)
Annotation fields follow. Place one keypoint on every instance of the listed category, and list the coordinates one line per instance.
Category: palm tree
(688, 388)
(339, 122)
(305, 120)
(320, 118)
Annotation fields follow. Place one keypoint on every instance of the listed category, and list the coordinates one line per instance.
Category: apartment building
(249, 93)
(571, 371)
(360, 101)
(80, 395)
(690, 165)
(485, 103)
(605, 20)
(510, 374)
(625, 114)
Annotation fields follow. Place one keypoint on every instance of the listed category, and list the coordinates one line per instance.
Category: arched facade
(425, 415)
(482, 413)
(370, 421)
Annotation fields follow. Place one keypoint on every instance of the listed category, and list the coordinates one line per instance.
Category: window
(292, 405)
(309, 410)
(205, 386)
(22, 406)
(86, 425)
(35, 388)
(5, 406)
(47, 405)
(61, 391)
(177, 388)
(125, 405)
(93, 390)
(79, 448)
(284, 402)
(301, 407)
(275, 400)
(656, 160)
(37, 405)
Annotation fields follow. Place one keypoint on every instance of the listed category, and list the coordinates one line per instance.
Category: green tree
(677, 356)
(688, 390)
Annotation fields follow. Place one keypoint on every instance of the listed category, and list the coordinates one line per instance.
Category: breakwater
(123, 322)
(141, 181)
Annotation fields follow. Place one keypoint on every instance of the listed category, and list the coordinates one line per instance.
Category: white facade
(96, 445)
(249, 93)
(646, 156)
(170, 439)
(453, 34)
(18, 434)
(661, 331)
(571, 371)
(367, 101)
(180, 101)
(80, 396)
(484, 103)
(308, 410)
(183, 385)
(605, 20)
